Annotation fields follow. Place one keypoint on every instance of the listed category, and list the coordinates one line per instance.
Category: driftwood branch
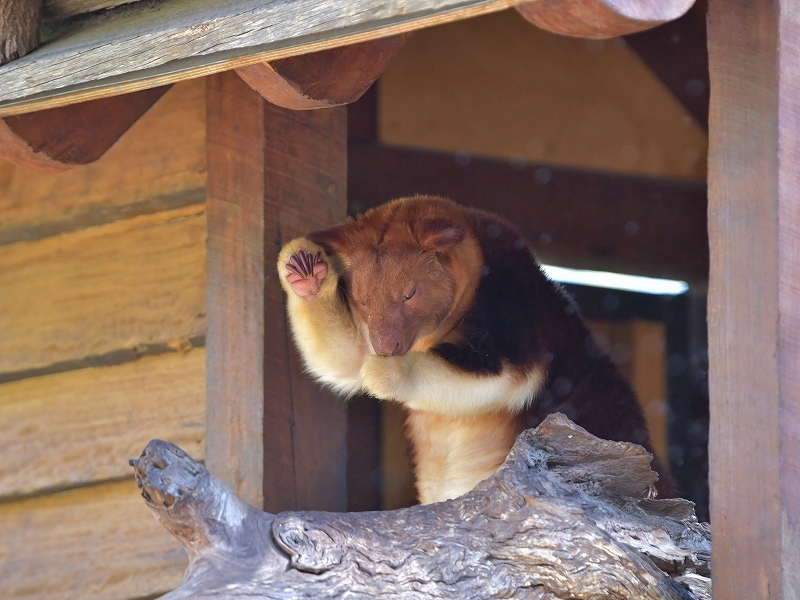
(567, 516)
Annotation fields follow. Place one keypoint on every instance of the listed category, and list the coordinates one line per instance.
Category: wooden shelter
(140, 223)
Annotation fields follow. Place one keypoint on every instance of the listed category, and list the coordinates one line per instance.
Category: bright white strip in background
(616, 281)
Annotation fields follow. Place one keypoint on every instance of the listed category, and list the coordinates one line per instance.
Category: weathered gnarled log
(567, 516)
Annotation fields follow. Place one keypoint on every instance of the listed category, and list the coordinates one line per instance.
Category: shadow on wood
(78, 134)
(323, 79)
(601, 18)
(567, 516)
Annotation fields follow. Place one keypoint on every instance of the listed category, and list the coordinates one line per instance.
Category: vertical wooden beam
(754, 297)
(273, 174)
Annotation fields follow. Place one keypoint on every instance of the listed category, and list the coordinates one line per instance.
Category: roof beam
(59, 138)
(582, 219)
(145, 44)
(323, 79)
(601, 18)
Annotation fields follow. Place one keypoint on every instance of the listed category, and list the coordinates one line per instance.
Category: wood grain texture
(306, 190)
(274, 174)
(158, 164)
(94, 291)
(55, 139)
(496, 87)
(96, 543)
(19, 28)
(323, 79)
(74, 428)
(237, 273)
(601, 18)
(575, 218)
(567, 516)
(147, 44)
(754, 298)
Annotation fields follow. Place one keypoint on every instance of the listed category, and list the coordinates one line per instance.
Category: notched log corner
(567, 516)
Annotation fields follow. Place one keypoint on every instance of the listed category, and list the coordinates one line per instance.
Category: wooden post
(754, 297)
(273, 174)
(19, 27)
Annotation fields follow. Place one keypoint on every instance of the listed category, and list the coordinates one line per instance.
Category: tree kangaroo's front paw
(383, 376)
(302, 265)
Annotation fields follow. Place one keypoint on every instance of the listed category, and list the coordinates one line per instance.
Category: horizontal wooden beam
(573, 218)
(601, 18)
(62, 9)
(144, 44)
(323, 79)
(59, 138)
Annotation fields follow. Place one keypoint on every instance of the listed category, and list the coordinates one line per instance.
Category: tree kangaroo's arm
(321, 323)
(427, 382)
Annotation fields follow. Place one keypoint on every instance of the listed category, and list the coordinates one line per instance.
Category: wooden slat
(323, 79)
(273, 174)
(158, 164)
(145, 45)
(754, 298)
(91, 292)
(494, 86)
(574, 218)
(59, 138)
(81, 426)
(601, 18)
(96, 543)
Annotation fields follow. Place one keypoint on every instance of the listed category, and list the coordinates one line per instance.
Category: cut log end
(567, 515)
(20, 21)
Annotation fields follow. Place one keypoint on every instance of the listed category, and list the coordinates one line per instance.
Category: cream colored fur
(453, 455)
(323, 329)
(423, 381)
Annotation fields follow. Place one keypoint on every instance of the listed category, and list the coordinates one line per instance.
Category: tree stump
(567, 516)
(20, 21)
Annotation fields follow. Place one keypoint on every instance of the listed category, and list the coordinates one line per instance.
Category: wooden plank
(601, 18)
(323, 79)
(677, 53)
(575, 218)
(158, 164)
(96, 543)
(58, 138)
(19, 27)
(74, 428)
(237, 273)
(145, 45)
(274, 174)
(496, 87)
(754, 298)
(90, 292)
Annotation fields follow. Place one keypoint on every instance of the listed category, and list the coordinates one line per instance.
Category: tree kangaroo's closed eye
(445, 309)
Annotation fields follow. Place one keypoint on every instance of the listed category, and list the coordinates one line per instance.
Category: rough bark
(19, 27)
(567, 516)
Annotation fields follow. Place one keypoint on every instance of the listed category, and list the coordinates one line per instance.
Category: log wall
(102, 348)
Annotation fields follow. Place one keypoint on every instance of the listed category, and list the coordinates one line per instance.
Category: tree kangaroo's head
(405, 269)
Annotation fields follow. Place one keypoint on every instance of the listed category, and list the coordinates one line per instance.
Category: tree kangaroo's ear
(440, 233)
(334, 240)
